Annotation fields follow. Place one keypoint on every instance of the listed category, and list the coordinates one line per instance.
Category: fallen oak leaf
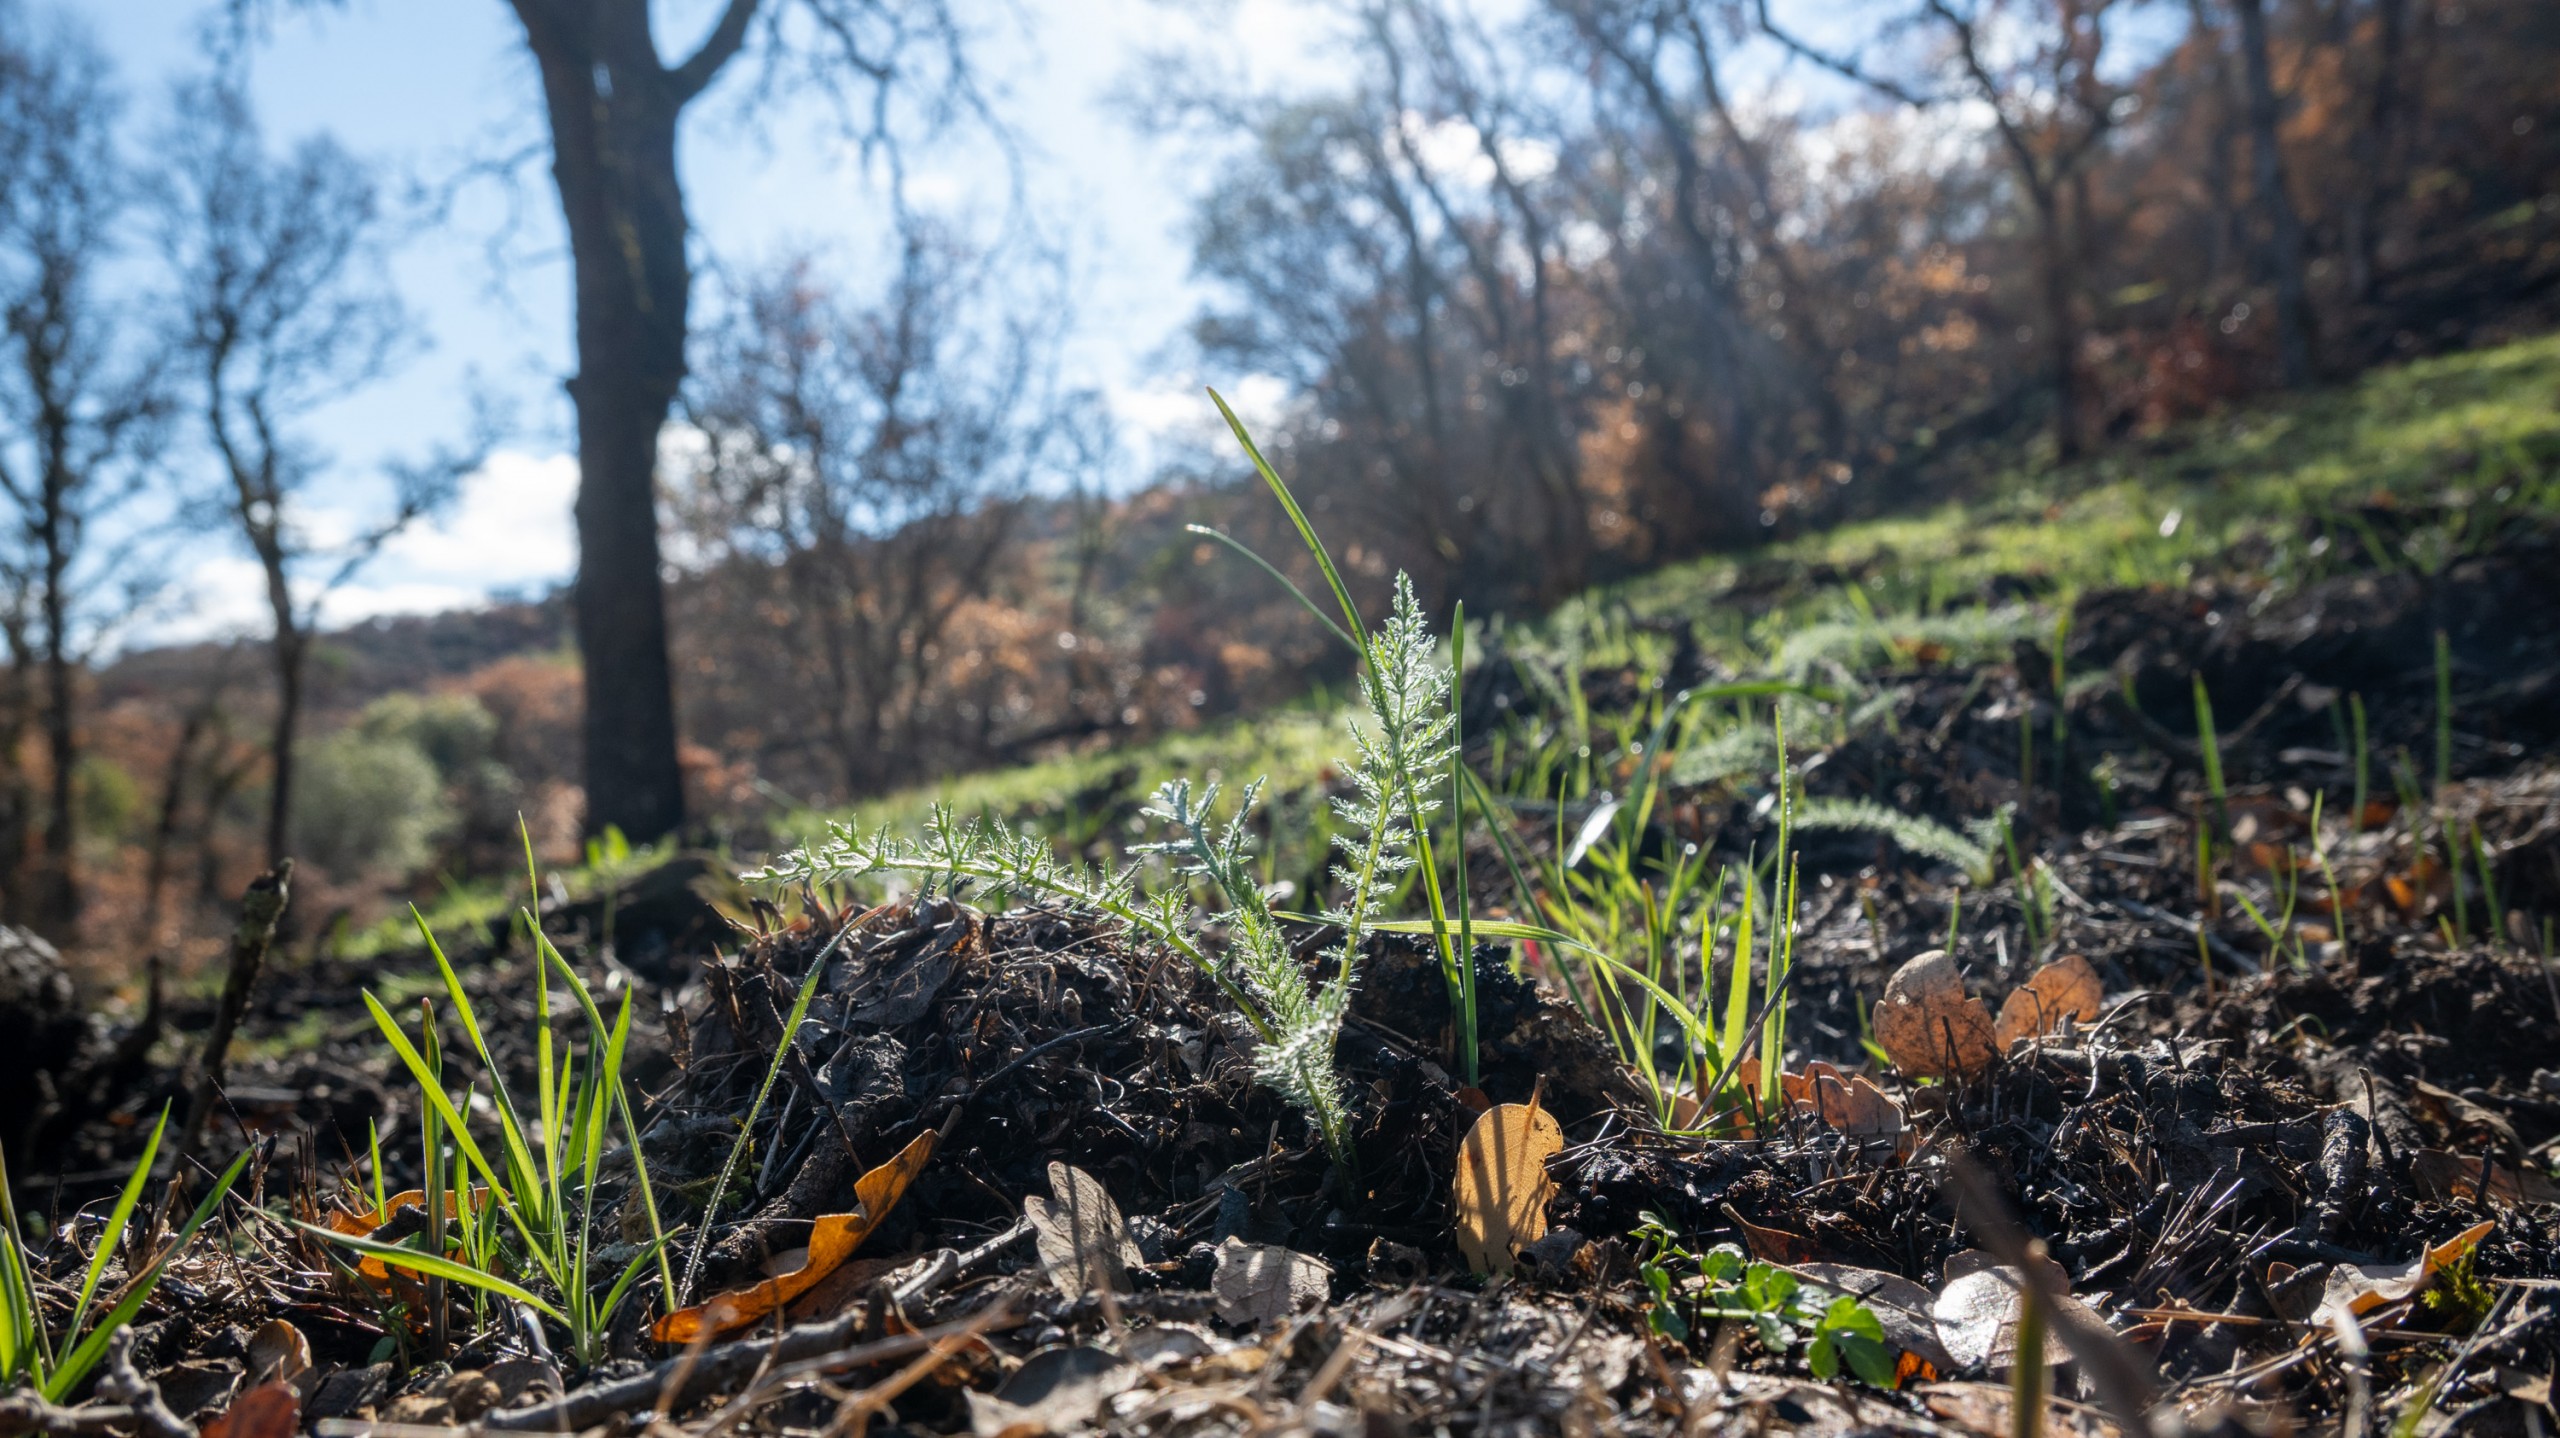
(368, 1223)
(1259, 1283)
(1978, 1311)
(1901, 1307)
(1928, 1025)
(270, 1410)
(1774, 1245)
(2355, 1289)
(2463, 1121)
(831, 1295)
(1083, 1240)
(2442, 1174)
(279, 1353)
(1850, 1104)
(2067, 987)
(831, 1241)
(1502, 1185)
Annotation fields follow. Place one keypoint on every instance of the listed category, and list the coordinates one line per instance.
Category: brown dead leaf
(1502, 1186)
(1084, 1242)
(2065, 988)
(2463, 1121)
(2444, 1174)
(278, 1353)
(831, 1295)
(1258, 1283)
(831, 1241)
(1847, 1103)
(269, 1410)
(363, 1223)
(1774, 1245)
(1977, 1315)
(1928, 1025)
(1902, 1308)
(1986, 1408)
(2355, 1289)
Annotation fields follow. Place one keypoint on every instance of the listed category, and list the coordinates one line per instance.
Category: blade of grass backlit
(435, 1266)
(549, 953)
(117, 1218)
(22, 1335)
(452, 1121)
(86, 1353)
(1265, 565)
(729, 1166)
(527, 1186)
(1298, 517)
(1458, 821)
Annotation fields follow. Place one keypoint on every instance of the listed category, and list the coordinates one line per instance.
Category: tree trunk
(2062, 324)
(281, 738)
(58, 893)
(2223, 224)
(2373, 152)
(613, 110)
(164, 830)
(2284, 225)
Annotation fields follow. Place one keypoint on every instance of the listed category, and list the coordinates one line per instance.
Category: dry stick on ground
(260, 908)
(723, 1368)
(2123, 1380)
(123, 1383)
(135, 1405)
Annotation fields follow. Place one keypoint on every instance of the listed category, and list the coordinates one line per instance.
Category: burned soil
(2297, 1173)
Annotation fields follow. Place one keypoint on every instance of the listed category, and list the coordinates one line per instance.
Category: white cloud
(509, 528)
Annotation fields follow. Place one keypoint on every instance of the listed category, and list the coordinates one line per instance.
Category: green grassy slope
(2411, 466)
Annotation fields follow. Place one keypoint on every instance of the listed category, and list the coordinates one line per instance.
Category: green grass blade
(85, 1355)
(527, 1176)
(1737, 1001)
(782, 1050)
(117, 1218)
(586, 998)
(442, 1106)
(1297, 516)
(1266, 566)
(435, 1266)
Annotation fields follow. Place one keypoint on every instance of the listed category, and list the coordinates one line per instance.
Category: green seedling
(2338, 905)
(2363, 762)
(30, 1355)
(2209, 747)
(1723, 1284)
(551, 1162)
(2488, 888)
(2444, 715)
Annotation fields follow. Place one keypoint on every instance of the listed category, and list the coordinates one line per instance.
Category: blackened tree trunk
(59, 905)
(614, 106)
(2376, 157)
(2275, 201)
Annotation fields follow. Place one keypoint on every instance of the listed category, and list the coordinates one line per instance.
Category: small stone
(343, 1392)
(470, 1394)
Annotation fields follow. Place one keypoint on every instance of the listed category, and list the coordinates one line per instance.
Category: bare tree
(2275, 198)
(80, 403)
(614, 104)
(276, 280)
(858, 474)
(2034, 64)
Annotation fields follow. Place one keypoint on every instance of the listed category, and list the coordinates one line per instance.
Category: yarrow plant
(1404, 756)
(1403, 751)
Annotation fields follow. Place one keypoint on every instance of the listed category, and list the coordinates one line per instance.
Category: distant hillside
(350, 667)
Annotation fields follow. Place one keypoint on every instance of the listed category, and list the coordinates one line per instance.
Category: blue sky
(426, 89)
